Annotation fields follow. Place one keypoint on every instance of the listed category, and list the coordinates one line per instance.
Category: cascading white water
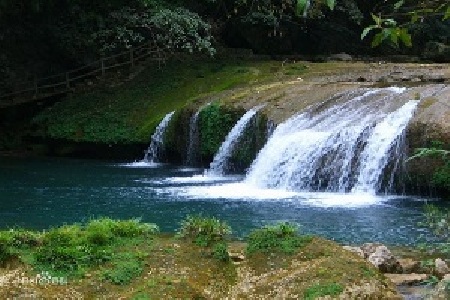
(340, 148)
(157, 139)
(383, 138)
(193, 139)
(217, 166)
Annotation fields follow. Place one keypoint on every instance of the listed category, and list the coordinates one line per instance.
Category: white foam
(202, 179)
(229, 191)
(141, 164)
(347, 200)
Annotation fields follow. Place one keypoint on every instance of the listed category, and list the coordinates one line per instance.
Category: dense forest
(43, 37)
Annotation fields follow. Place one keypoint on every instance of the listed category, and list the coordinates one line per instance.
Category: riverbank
(129, 259)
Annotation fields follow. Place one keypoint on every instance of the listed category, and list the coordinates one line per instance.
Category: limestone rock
(369, 248)
(406, 279)
(409, 265)
(441, 267)
(356, 250)
(236, 257)
(384, 260)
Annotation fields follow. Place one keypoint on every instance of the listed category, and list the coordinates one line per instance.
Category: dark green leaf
(405, 37)
(447, 13)
(399, 4)
(331, 4)
(301, 7)
(366, 31)
(377, 20)
(377, 39)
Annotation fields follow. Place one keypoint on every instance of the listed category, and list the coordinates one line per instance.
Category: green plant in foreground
(438, 220)
(72, 249)
(319, 290)
(204, 231)
(441, 177)
(282, 237)
(220, 252)
(124, 269)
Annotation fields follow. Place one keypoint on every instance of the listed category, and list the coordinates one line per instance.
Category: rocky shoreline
(410, 276)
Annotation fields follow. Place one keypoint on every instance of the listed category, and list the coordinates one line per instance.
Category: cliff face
(430, 127)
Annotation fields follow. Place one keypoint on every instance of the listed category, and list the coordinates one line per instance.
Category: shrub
(204, 231)
(74, 248)
(319, 290)
(133, 228)
(220, 252)
(64, 235)
(6, 252)
(283, 237)
(124, 269)
(100, 232)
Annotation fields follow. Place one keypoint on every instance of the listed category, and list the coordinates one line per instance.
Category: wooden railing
(63, 82)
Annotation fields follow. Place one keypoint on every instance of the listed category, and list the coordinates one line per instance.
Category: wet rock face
(430, 126)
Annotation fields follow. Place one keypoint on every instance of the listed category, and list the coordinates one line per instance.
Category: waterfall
(342, 145)
(217, 166)
(193, 139)
(192, 153)
(152, 154)
(383, 139)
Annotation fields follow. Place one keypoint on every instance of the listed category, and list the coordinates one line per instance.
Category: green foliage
(204, 231)
(320, 290)
(282, 237)
(215, 121)
(6, 252)
(220, 252)
(129, 113)
(174, 29)
(394, 27)
(72, 249)
(124, 268)
(438, 220)
(441, 177)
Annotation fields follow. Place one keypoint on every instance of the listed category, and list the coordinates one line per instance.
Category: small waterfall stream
(217, 166)
(153, 152)
(193, 139)
(342, 145)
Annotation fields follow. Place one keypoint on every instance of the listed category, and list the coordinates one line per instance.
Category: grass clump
(124, 269)
(319, 290)
(73, 249)
(282, 237)
(204, 231)
(220, 252)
